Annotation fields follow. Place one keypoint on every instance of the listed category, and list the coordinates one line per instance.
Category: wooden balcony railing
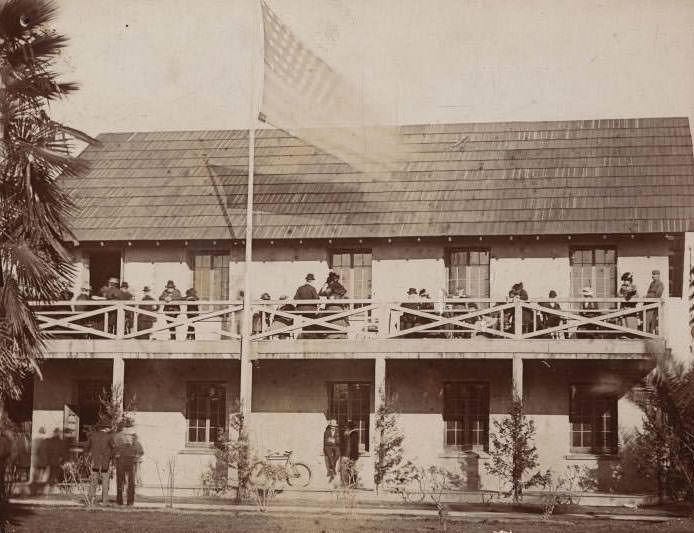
(577, 318)
(141, 319)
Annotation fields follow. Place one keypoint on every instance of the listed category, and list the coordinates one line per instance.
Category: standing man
(655, 290)
(112, 292)
(127, 295)
(146, 321)
(307, 292)
(331, 448)
(192, 311)
(127, 451)
(171, 294)
(100, 448)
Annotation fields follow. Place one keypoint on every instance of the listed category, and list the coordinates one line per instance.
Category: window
(351, 401)
(466, 415)
(89, 395)
(593, 418)
(205, 412)
(468, 269)
(354, 268)
(676, 266)
(211, 275)
(595, 268)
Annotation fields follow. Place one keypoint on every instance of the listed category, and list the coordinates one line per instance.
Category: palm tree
(34, 153)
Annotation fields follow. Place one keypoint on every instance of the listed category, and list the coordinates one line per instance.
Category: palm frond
(41, 47)
(20, 17)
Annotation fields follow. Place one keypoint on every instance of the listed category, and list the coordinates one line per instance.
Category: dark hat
(552, 293)
(627, 276)
(656, 271)
(146, 289)
(191, 292)
(265, 296)
(310, 277)
(411, 290)
(170, 284)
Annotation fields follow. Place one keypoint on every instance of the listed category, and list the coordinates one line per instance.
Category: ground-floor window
(593, 418)
(351, 402)
(205, 412)
(466, 415)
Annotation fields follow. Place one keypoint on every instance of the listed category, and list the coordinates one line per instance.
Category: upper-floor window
(354, 268)
(593, 418)
(466, 415)
(211, 275)
(205, 411)
(468, 269)
(594, 267)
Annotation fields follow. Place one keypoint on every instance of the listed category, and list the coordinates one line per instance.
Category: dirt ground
(25, 519)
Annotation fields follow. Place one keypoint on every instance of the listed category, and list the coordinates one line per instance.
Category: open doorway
(103, 264)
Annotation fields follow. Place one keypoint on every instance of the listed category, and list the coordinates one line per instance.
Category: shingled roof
(595, 176)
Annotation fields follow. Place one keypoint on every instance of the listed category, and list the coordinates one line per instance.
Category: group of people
(145, 320)
(341, 444)
(280, 316)
(121, 449)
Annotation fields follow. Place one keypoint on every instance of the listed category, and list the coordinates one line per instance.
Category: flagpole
(246, 377)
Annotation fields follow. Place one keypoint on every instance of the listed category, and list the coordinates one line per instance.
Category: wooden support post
(379, 393)
(120, 320)
(517, 377)
(518, 320)
(246, 388)
(118, 379)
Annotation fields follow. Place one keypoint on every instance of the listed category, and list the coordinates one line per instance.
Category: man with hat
(100, 450)
(655, 290)
(331, 448)
(407, 320)
(146, 321)
(125, 294)
(112, 292)
(307, 291)
(171, 294)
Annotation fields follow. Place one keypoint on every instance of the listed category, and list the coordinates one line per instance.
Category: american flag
(305, 97)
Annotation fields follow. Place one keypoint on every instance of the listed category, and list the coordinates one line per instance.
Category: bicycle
(297, 474)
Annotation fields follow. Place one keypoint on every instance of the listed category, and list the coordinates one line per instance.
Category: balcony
(463, 328)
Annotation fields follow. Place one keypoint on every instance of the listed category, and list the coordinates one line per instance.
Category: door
(103, 264)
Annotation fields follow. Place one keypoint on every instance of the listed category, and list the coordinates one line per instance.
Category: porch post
(246, 387)
(118, 378)
(517, 377)
(379, 399)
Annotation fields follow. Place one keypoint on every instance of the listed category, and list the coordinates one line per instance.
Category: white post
(379, 394)
(118, 379)
(517, 377)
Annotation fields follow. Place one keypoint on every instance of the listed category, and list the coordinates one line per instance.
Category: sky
(148, 65)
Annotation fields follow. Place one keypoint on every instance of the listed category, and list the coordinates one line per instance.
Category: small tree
(114, 410)
(233, 451)
(513, 453)
(666, 441)
(389, 452)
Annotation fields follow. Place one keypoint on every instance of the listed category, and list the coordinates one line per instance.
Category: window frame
(206, 443)
(595, 419)
(449, 251)
(351, 284)
(592, 248)
(365, 428)
(226, 268)
(467, 444)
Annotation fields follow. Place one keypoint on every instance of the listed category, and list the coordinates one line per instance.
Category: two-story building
(567, 207)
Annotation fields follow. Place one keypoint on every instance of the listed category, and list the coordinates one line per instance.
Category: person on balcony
(112, 292)
(527, 315)
(589, 309)
(307, 291)
(627, 290)
(550, 320)
(336, 292)
(171, 294)
(192, 311)
(407, 320)
(281, 321)
(655, 290)
(262, 316)
(146, 321)
(127, 295)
